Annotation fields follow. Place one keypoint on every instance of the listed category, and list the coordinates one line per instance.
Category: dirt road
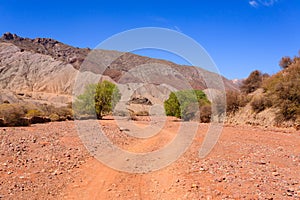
(246, 163)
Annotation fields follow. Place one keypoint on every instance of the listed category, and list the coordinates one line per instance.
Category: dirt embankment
(48, 161)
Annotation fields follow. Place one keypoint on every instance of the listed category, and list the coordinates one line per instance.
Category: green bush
(99, 99)
(54, 117)
(172, 106)
(34, 112)
(184, 104)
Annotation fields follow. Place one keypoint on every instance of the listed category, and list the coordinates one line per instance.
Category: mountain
(237, 82)
(43, 70)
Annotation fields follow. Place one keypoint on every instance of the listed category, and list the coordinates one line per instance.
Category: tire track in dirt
(247, 163)
(99, 180)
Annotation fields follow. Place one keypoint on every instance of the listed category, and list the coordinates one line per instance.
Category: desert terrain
(136, 100)
(49, 161)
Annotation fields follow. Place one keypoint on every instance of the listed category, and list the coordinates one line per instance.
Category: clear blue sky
(240, 35)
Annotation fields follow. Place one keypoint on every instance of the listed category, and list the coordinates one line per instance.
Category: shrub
(39, 120)
(205, 114)
(63, 112)
(259, 104)
(97, 99)
(252, 83)
(234, 101)
(13, 115)
(184, 104)
(285, 62)
(54, 117)
(26, 114)
(34, 112)
(283, 89)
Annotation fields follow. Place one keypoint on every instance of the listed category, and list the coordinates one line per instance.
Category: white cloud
(253, 4)
(258, 3)
(268, 2)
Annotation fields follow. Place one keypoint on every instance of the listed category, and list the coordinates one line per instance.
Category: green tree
(99, 99)
(172, 106)
(184, 104)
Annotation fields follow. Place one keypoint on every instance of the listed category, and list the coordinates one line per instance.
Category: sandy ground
(49, 161)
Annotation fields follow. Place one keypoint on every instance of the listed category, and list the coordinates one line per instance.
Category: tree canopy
(97, 99)
(184, 104)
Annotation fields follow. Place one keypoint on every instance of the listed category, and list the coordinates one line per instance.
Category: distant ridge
(43, 70)
(75, 56)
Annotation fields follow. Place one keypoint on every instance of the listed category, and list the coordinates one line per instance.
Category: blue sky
(239, 35)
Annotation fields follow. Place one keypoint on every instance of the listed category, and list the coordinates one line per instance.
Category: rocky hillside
(268, 100)
(44, 70)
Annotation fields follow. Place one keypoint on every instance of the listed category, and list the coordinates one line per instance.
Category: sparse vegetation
(13, 115)
(54, 117)
(205, 113)
(259, 104)
(284, 90)
(26, 114)
(252, 83)
(235, 101)
(285, 62)
(97, 99)
(281, 92)
(34, 112)
(185, 104)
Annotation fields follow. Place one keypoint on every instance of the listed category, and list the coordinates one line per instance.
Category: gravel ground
(37, 162)
(48, 161)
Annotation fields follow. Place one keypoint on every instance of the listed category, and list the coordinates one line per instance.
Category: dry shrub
(285, 62)
(13, 115)
(234, 101)
(39, 120)
(252, 83)
(259, 104)
(283, 89)
(26, 114)
(63, 113)
(205, 113)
